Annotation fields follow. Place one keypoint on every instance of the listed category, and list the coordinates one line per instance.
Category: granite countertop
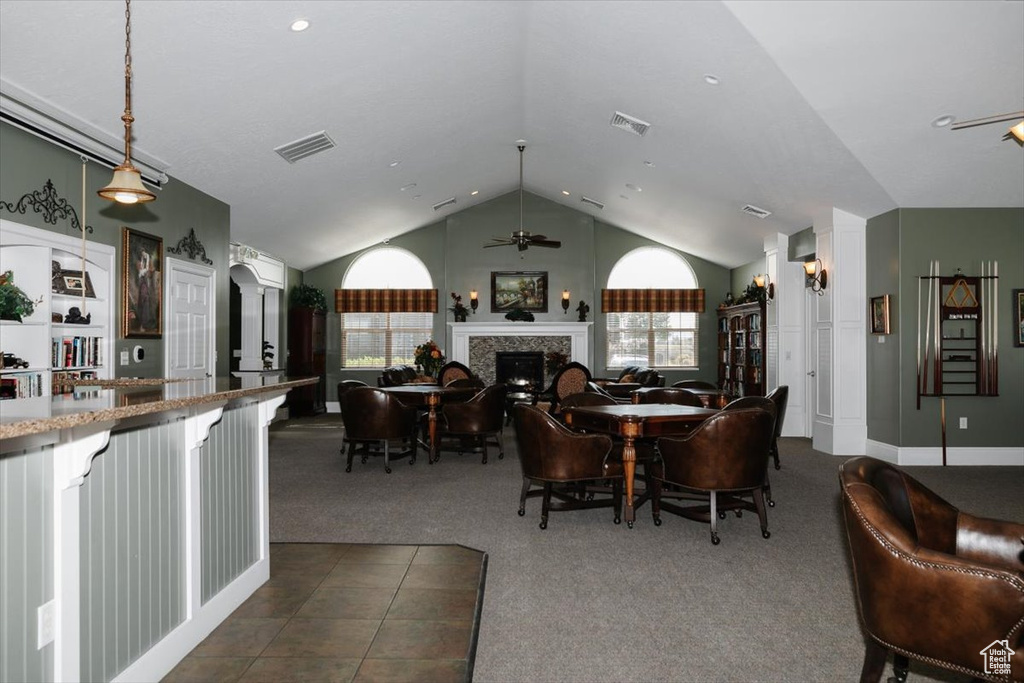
(115, 399)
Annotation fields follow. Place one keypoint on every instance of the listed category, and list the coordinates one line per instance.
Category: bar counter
(133, 520)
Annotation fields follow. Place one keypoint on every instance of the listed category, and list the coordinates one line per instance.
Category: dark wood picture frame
(142, 292)
(1018, 317)
(525, 290)
(70, 282)
(880, 314)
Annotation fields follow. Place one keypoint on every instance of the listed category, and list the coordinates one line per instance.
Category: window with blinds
(377, 340)
(661, 339)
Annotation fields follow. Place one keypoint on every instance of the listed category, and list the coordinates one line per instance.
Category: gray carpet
(586, 600)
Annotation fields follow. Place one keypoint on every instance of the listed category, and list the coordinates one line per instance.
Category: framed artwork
(880, 314)
(142, 292)
(525, 290)
(73, 282)
(1018, 317)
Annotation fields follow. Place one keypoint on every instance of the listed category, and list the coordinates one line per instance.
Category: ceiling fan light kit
(523, 239)
(1015, 132)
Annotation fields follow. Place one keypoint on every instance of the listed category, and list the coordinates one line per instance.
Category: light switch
(124, 356)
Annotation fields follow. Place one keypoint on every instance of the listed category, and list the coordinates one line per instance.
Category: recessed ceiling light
(631, 186)
(943, 121)
(624, 196)
(474, 193)
(649, 164)
(299, 25)
(416, 196)
(394, 164)
(407, 187)
(711, 79)
(565, 192)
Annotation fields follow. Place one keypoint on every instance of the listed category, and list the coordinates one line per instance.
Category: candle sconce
(566, 295)
(474, 300)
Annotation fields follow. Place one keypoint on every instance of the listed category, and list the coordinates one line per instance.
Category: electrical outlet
(44, 622)
(963, 423)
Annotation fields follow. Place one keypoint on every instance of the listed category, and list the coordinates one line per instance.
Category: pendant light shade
(126, 187)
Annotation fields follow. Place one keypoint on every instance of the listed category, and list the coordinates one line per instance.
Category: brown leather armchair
(722, 460)
(571, 379)
(477, 419)
(396, 375)
(694, 384)
(347, 384)
(671, 395)
(767, 404)
(780, 397)
(372, 416)
(552, 456)
(933, 583)
(453, 370)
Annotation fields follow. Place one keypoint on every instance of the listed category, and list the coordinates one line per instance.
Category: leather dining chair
(723, 461)
(694, 384)
(478, 419)
(780, 397)
(453, 370)
(764, 403)
(933, 583)
(347, 384)
(372, 416)
(571, 379)
(595, 388)
(564, 464)
(671, 395)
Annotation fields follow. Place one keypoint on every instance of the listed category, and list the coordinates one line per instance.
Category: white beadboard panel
(229, 463)
(823, 371)
(132, 544)
(26, 562)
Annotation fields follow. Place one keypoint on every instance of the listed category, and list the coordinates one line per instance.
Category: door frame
(178, 265)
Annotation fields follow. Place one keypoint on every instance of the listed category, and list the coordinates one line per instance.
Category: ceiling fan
(1015, 133)
(522, 238)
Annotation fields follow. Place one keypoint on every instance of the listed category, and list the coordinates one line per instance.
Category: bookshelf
(741, 349)
(42, 261)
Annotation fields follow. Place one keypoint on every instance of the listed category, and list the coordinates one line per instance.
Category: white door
(190, 325)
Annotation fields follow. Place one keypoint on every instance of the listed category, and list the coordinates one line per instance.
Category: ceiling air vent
(630, 124)
(756, 212)
(592, 202)
(305, 147)
(446, 202)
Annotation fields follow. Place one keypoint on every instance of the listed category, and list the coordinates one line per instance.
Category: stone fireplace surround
(475, 344)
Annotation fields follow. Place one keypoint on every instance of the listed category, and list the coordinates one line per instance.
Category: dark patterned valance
(652, 300)
(385, 300)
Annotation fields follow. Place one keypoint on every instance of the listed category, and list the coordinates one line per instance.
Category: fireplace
(513, 365)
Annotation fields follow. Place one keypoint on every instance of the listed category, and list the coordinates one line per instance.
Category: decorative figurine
(75, 317)
(729, 301)
(583, 309)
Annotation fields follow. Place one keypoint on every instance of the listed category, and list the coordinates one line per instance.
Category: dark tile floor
(338, 612)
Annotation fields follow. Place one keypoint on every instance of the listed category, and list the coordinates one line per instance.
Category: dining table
(428, 397)
(711, 398)
(632, 422)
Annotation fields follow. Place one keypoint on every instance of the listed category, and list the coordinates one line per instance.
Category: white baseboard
(334, 406)
(158, 661)
(1012, 456)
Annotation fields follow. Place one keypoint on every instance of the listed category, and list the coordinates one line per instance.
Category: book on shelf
(61, 380)
(21, 385)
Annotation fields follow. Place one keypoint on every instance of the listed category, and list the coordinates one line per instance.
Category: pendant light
(126, 186)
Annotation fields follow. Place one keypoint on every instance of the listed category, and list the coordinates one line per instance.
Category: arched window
(377, 340)
(663, 340)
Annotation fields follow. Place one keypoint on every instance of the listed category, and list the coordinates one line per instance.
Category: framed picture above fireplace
(525, 290)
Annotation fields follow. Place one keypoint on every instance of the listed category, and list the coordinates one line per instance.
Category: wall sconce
(474, 299)
(566, 294)
(764, 282)
(817, 276)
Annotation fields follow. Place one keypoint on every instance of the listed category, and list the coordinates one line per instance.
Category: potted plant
(308, 296)
(14, 303)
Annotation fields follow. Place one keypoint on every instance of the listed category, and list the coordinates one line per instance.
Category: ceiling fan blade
(499, 244)
(534, 238)
(553, 244)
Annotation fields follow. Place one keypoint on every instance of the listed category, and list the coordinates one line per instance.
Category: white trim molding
(909, 456)
(578, 333)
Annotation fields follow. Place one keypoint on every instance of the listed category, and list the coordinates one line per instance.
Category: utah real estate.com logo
(997, 658)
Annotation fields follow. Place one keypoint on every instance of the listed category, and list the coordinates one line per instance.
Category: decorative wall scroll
(959, 355)
(192, 247)
(49, 203)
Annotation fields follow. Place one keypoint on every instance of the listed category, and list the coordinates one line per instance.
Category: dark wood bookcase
(741, 349)
(307, 343)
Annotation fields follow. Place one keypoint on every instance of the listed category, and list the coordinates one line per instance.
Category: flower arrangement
(555, 361)
(458, 310)
(430, 357)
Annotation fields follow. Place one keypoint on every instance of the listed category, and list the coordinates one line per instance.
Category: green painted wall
(962, 238)
(453, 252)
(802, 244)
(883, 359)
(741, 277)
(28, 162)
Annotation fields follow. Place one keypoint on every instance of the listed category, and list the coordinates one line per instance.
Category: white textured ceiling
(821, 105)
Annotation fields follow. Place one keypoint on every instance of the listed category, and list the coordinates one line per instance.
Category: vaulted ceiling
(818, 105)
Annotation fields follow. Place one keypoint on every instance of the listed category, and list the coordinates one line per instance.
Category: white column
(252, 327)
(271, 324)
(840, 347)
(786, 333)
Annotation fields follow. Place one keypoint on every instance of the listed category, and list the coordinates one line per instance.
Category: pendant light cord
(127, 116)
(82, 222)
(521, 148)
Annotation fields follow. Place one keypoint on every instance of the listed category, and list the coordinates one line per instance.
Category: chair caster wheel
(715, 540)
(412, 461)
(363, 460)
(522, 512)
(387, 470)
(484, 461)
(721, 515)
(501, 456)
(771, 503)
(778, 466)
(766, 534)
(657, 521)
(544, 524)
(739, 513)
(617, 520)
(349, 468)
(629, 524)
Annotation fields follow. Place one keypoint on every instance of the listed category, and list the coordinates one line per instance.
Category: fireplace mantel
(578, 333)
